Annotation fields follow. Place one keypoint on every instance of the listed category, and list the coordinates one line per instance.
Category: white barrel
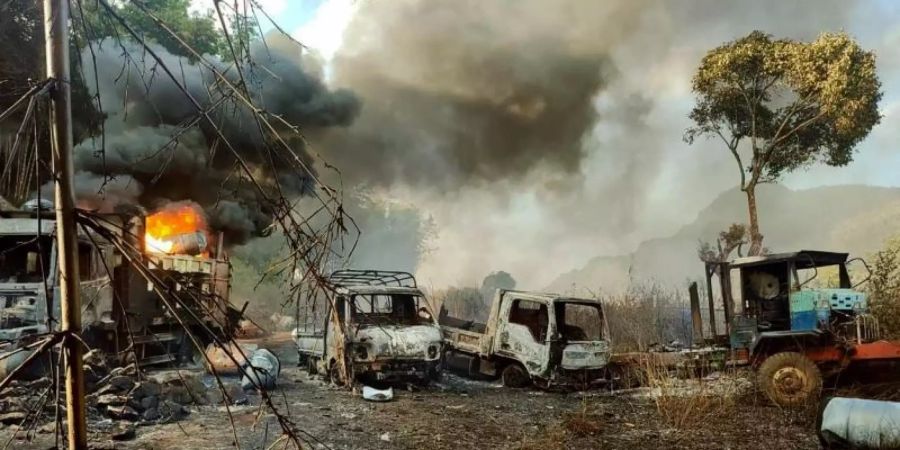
(860, 423)
(262, 368)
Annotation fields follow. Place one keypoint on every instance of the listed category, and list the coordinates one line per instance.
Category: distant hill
(850, 218)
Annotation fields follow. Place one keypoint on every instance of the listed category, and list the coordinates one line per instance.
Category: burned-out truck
(377, 327)
(531, 338)
(122, 312)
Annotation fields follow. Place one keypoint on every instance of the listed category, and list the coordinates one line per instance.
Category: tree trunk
(755, 237)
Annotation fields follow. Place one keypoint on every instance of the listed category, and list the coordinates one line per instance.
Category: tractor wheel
(790, 379)
(515, 376)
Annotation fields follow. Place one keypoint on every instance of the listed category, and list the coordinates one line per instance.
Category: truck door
(523, 333)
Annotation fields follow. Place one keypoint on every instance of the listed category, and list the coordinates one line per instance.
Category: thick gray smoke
(463, 91)
(154, 159)
(542, 133)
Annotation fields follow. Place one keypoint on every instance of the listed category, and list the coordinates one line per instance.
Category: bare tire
(435, 374)
(302, 359)
(312, 366)
(790, 379)
(515, 376)
(334, 375)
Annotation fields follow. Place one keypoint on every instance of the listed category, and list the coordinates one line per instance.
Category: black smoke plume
(468, 91)
(154, 151)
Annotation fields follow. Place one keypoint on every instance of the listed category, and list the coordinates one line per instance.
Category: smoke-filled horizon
(538, 135)
(528, 137)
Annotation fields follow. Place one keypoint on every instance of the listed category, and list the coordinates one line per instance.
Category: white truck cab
(379, 324)
(530, 337)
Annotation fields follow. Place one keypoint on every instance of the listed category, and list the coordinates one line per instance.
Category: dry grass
(582, 423)
(690, 403)
(552, 438)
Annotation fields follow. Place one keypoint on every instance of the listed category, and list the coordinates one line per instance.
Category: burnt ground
(460, 413)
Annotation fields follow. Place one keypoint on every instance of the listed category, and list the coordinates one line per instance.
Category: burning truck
(123, 312)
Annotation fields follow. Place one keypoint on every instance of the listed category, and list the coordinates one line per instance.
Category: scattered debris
(219, 361)
(262, 370)
(122, 432)
(247, 329)
(377, 395)
(15, 417)
(282, 322)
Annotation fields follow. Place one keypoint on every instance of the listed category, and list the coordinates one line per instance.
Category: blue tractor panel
(844, 299)
(805, 312)
(804, 320)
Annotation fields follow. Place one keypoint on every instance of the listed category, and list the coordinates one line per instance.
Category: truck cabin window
(380, 309)
(579, 321)
(823, 277)
(766, 291)
(532, 315)
(24, 259)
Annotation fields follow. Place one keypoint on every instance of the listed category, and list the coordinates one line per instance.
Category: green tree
(779, 105)
(731, 240)
(197, 30)
(494, 281)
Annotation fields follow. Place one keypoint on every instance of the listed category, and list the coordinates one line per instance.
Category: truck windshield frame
(25, 258)
(587, 324)
(388, 309)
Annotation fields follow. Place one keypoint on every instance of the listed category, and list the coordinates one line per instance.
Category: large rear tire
(790, 379)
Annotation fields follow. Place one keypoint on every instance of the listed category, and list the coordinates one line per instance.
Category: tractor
(797, 319)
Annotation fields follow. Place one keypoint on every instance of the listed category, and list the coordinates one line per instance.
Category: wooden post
(56, 33)
(710, 270)
(696, 319)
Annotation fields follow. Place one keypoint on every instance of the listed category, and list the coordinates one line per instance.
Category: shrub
(884, 288)
(685, 404)
(647, 314)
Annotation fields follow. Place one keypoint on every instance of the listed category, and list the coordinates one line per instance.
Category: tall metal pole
(56, 33)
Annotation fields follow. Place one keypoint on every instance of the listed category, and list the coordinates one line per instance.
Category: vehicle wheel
(302, 360)
(790, 379)
(311, 364)
(515, 376)
(334, 375)
(435, 374)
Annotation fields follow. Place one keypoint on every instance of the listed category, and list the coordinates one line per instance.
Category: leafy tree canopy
(779, 105)
(798, 102)
(197, 30)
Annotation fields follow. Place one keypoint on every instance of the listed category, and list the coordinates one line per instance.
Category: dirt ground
(459, 413)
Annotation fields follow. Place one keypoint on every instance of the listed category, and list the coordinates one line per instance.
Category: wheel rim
(790, 382)
(513, 376)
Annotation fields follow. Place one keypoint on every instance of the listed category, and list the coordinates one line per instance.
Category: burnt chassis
(343, 341)
(122, 314)
(492, 349)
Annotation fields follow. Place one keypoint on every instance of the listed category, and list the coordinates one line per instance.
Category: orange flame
(175, 219)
